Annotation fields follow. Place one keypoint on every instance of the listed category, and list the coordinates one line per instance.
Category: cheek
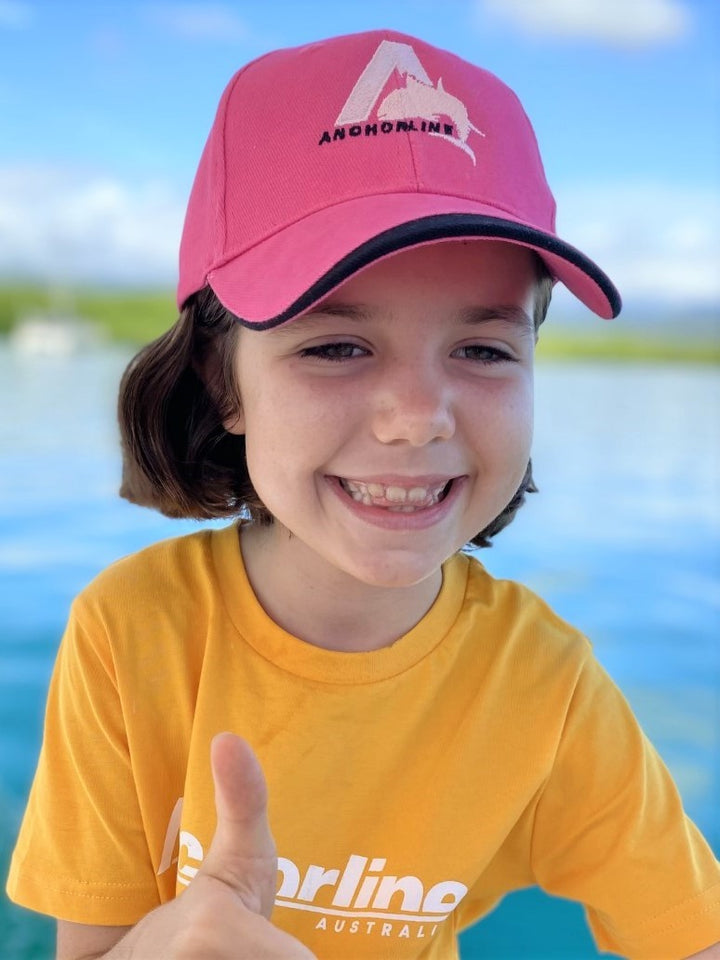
(527, 416)
(267, 451)
(520, 425)
(296, 418)
(503, 418)
(286, 435)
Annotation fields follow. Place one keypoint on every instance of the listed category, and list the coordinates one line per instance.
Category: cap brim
(289, 271)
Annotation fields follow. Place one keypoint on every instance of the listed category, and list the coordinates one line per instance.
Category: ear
(236, 422)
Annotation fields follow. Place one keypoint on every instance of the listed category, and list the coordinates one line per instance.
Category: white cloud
(633, 23)
(657, 241)
(15, 14)
(60, 225)
(199, 21)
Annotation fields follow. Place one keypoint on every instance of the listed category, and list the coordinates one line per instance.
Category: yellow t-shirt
(410, 787)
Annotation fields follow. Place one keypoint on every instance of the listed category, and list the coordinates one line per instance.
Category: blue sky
(104, 108)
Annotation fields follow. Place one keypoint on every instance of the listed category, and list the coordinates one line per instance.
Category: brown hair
(175, 396)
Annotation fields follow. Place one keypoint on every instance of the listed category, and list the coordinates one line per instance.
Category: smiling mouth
(393, 497)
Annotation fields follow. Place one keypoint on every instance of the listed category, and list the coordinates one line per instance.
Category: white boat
(54, 335)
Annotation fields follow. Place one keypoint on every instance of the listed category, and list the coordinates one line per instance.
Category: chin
(397, 573)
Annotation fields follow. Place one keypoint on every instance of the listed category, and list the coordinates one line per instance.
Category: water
(623, 540)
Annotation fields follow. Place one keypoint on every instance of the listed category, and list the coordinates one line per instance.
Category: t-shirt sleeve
(82, 853)
(610, 832)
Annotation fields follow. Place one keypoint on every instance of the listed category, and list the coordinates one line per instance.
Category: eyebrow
(505, 313)
(349, 311)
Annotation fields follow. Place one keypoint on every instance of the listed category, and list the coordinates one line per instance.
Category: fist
(225, 911)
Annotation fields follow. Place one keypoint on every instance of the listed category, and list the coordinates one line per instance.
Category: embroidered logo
(419, 100)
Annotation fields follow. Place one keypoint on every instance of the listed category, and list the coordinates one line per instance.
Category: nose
(413, 404)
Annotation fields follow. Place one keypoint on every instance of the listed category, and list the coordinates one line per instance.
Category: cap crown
(302, 129)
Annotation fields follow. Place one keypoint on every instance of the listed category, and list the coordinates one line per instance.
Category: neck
(322, 605)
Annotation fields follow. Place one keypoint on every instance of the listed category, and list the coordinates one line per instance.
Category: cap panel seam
(389, 35)
(414, 164)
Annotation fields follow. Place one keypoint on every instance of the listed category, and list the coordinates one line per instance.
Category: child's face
(394, 422)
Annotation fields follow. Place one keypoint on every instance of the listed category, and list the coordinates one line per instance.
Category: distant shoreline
(136, 316)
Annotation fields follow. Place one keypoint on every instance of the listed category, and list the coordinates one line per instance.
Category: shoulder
(522, 625)
(168, 561)
(176, 574)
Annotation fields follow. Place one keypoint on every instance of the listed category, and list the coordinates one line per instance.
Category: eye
(483, 353)
(334, 352)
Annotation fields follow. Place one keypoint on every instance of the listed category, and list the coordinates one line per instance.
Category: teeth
(400, 499)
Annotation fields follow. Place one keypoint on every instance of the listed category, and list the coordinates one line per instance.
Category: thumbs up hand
(225, 911)
(242, 854)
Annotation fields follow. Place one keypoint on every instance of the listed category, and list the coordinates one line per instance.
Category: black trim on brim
(442, 226)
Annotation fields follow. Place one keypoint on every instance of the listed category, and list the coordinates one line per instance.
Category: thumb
(242, 853)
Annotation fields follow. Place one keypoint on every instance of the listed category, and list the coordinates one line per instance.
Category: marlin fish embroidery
(418, 99)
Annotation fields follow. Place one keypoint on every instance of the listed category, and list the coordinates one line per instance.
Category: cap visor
(285, 274)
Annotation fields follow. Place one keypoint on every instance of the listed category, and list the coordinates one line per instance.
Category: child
(368, 253)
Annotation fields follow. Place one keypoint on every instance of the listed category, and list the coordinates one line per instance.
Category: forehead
(463, 279)
(473, 269)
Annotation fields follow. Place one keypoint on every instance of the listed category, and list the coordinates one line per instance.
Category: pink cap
(324, 158)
